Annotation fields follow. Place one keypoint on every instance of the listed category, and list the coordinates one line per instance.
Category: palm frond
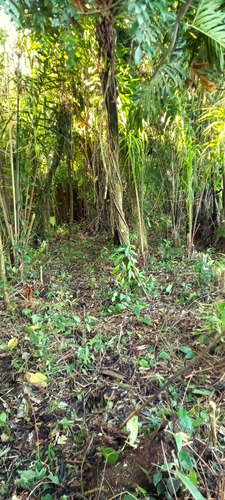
(209, 20)
(153, 97)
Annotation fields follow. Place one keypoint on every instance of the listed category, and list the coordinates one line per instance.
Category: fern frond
(209, 20)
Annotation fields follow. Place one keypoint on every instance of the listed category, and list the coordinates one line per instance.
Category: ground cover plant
(73, 367)
(112, 268)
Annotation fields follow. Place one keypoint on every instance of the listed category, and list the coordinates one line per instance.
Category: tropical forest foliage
(112, 233)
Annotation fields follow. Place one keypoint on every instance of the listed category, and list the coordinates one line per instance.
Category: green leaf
(179, 441)
(193, 477)
(185, 422)
(54, 479)
(138, 56)
(160, 488)
(209, 20)
(77, 319)
(37, 319)
(3, 452)
(188, 351)
(144, 363)
(129, 496)
(145, 320)
(203, 392)
(157, 476)
(48, 497)
(197, 422)
(132, 427)
(115, 270)
(118, 308)
(52, 221)
(185, 460)
(27, 478)
(189, 486)
(3, 418)
(164, 355)
(136, 310)
(110, 455)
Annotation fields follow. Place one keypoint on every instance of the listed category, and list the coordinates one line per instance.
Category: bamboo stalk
(4, 212)
(31, 196)
(3, 276)
(29, 230)
(12, 165)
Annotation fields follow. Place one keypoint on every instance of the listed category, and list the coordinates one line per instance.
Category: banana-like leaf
(209, 20)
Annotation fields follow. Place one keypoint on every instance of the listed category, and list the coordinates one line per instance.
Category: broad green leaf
(185, 460)
(110, 455)
(160, 488)
(189, 486)
(3, 418)
(54, 479)
(77, 319)
(164, 355)
(144, 363)
(136, 310)
(188, 351)
(185, 422)
(157, 476)
(52, 221)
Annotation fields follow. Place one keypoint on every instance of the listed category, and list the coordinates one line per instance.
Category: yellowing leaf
(38, 379)
(132, 426)
(31, 328)
(12, 343)
(5, 438)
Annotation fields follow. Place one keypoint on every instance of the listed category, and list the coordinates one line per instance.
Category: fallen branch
(174, 377)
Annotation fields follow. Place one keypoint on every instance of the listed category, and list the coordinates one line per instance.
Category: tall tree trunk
(106, 45)
(62, 133)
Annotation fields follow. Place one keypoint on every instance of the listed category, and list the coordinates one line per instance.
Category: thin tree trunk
(17, 162)
(106, 44)
(70, 178)
(3, 276)
(4, 190)
(12, 164)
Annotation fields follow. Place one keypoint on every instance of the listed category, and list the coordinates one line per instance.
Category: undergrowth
(82, 344)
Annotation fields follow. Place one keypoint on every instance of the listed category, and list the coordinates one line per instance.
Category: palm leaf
(209, 21)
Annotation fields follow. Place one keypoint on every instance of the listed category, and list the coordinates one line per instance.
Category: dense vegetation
(112, 227)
